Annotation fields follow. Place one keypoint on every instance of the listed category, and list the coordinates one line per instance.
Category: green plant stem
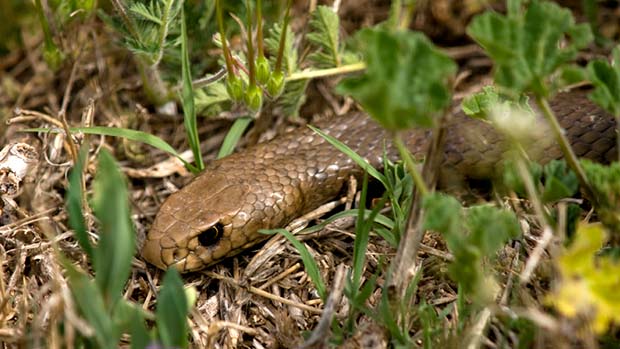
(410, 164)
(47, 34)
(311, 74)
(283, 37)
(250, 57)
(259, 28)
(163, 32)
(569, 155)
(220, 24)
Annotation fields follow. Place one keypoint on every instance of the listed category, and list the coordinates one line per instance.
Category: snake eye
(211, 235)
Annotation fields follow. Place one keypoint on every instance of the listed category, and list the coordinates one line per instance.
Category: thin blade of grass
(187, 98)
(353, 155)
(233, 136)
(74, 201)
(126, 133)
(309, 263)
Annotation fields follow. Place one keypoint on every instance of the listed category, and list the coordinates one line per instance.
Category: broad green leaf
(187, 97)
(113, 255)
(490, 228)
(325, 26)
(406, 80)
(526, 48)
(91, 303)
(606, 80)
(172, 311)
(233, 136)
(74, 200)
(442, 213)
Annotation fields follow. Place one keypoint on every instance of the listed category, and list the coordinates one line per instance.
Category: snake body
(219, 213)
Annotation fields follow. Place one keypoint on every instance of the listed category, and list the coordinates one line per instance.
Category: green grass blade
(233, 136)
(187, 98)
(353, 155)
(74, 205)
(309, 263)
(113, 255)
(172, 310)
(126, 133)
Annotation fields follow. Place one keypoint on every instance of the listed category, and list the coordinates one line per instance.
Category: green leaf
(309, 263)
(512, 178)
(406, 80)
(360, 161)
(187, 97)
(172, 311)
(233, 136)
(605, 183)
(132, 135)
(526, 48)
(442, 213)
(272, 43)
(74, 200)
(606, 80)
(92, 306)
(325, 25)
(113, 255)
(560, 181)
(490, 228)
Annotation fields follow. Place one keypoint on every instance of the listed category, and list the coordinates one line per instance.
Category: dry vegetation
(262, 297)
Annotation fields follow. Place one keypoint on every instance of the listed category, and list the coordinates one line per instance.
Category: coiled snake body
(219, 213)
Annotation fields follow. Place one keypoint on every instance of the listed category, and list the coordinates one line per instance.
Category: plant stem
(250, 56)
(220, 24)
(343, 69)
(283, 37)
(163, 32)
(259, 28)
(569, 155)
(410, 164)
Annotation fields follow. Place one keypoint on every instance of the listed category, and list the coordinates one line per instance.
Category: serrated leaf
(606, 80)
(526, 48)
(442, 213)
(490, 228)
(325, 25)
(406, 80)
(605, 183)
(113, 255)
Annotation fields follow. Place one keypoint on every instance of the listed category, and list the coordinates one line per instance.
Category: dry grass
(245, 301)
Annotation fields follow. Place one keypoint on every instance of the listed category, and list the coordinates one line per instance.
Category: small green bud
(262, 70)
(275, 86)
(234, 87)
(254, 98)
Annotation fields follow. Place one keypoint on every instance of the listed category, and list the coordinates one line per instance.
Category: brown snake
(220, 212)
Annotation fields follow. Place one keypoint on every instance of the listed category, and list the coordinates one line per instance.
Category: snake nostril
(211, 235)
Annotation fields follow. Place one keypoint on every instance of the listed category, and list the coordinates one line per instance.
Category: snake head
(193, 227)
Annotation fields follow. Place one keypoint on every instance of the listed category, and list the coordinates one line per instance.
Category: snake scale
(219, 213)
